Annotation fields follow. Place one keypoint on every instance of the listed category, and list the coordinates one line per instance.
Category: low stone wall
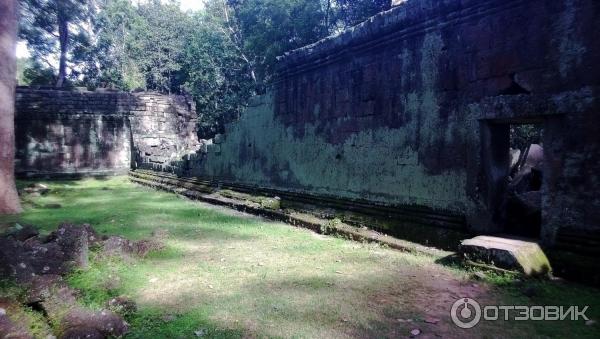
(74, 133)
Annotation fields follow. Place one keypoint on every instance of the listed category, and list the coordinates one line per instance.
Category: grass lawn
(226, 274)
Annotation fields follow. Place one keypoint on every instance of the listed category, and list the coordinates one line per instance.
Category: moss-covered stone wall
(74, 133)
(401, 110)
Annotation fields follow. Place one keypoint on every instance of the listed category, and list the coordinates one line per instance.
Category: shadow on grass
(365, 304)
(153, 323)
(134, 212)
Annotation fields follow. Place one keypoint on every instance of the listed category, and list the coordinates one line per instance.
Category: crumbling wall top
(407, 17)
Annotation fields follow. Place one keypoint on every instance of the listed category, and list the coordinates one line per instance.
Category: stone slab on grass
(520, 255)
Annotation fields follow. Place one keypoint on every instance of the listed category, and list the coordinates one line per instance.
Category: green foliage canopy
(221, 55)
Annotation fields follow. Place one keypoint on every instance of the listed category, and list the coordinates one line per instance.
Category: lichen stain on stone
(371, 164)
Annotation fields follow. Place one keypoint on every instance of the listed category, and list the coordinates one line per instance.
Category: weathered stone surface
(74, 242)
(41, 287)
(82, 332)
(101, 324)
(23, 261)
(23, 232)
(61, 307)
(271, 203)
(8, 328)
(511, 254)
(62, 250)
(531, 202)
(62, 132)
(38, 266)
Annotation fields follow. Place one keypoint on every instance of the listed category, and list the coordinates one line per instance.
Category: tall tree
(9, 199)
(219, 75)
(273, 27)
(157, 44)
(113, 46)
(54, 27)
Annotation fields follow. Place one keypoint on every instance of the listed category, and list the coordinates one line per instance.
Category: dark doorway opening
(513, 158)
(523, 197)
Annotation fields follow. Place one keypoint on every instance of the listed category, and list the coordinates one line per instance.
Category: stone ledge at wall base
(206, 192)
(420, 225)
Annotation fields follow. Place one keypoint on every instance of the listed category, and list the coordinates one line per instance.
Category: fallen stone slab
(24, 260)
(37, 263)
(59, 304)
(8, 327)
(526, 257)
(81, 323)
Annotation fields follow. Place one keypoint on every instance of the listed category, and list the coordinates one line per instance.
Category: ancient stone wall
(412, 108)
(61, 132)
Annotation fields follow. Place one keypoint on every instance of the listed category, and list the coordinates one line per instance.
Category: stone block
(524, 256)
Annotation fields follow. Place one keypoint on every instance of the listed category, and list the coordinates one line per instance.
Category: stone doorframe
(495, 115)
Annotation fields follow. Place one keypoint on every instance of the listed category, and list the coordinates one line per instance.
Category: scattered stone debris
(415, 332)
(38, 263)
(36, 189)
(122, 305)
(126, 249)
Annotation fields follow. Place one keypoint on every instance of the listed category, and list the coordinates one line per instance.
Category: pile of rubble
(38, 263)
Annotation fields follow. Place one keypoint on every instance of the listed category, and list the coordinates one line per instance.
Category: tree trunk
(63, 37)
(9, 199)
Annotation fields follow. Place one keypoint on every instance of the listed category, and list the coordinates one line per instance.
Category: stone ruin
(38, 264)
(406, 116)
(78, 132)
